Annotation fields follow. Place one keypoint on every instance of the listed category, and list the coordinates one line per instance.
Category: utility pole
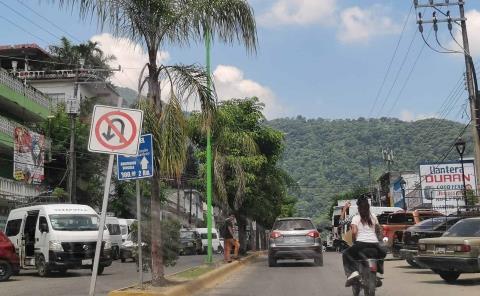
(73, 108)
(470, 76)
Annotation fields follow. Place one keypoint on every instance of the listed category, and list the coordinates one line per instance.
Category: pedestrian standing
(228, 237)
(236, 241)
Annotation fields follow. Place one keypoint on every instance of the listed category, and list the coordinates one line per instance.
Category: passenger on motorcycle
(365, 233)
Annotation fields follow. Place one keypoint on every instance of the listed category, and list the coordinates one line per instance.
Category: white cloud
(130, 56)
(360, 25)
(473, 27)
(231, 83)
(407, 115)
(300, 12)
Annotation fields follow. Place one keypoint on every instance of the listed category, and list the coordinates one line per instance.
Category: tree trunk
(242, 233)
(158, 275)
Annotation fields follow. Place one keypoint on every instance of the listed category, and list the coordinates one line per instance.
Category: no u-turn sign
(115, 130)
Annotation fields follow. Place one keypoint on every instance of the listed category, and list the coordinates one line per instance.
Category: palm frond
(219, 176)
(241, 183)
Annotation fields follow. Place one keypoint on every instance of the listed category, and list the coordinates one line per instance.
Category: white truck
(57, 237)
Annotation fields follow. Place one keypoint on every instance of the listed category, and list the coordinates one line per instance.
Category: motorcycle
(368, 281)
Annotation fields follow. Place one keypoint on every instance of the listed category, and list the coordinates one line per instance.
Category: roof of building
(31, 50)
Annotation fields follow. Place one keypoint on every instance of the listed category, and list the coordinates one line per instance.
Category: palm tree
(155, 23)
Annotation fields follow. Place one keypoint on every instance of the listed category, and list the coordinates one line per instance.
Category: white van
(115, 232)
(216, 245)
(57, 237)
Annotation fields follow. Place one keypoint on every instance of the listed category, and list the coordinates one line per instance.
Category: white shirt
(365, 232)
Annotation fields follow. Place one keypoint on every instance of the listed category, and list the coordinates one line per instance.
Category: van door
(29, 237)
(14, 231)
(41, 237)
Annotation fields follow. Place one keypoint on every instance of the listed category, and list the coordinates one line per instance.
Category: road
(300, 278)
(77, 282)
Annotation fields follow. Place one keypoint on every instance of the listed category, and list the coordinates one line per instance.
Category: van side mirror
(43, 227)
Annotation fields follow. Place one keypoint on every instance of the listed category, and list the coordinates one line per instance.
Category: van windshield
(74, 222)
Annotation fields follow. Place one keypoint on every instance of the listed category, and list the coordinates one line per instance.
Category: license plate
(296, 240)
(87, 262)
(440, 250)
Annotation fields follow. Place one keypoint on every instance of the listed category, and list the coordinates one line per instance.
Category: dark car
(295, 238)
(407, 242)
(190, 242)
(9, 261)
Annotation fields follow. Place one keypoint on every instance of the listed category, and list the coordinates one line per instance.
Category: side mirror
(43, 227)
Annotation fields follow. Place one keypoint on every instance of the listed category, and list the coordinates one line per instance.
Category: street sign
(115, 130)
(139, 166)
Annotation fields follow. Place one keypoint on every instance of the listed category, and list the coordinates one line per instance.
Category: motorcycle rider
(365, 233)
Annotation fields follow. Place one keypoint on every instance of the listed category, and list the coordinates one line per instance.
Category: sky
(329, 59)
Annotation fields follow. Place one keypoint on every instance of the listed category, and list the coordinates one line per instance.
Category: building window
(56, 98)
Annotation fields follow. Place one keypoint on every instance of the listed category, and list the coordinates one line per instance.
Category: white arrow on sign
(144, 163)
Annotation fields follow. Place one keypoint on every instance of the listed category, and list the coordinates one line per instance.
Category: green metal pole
(209, 159)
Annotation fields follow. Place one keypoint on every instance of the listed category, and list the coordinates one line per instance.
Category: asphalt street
(294, 278)
(77, 282)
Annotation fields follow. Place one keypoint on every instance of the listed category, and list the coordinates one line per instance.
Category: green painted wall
(23, 101)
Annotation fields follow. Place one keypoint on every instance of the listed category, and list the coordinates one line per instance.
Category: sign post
(113, 131)
(138, 167)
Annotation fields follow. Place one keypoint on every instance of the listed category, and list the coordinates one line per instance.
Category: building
(30, 90)
(187, 206)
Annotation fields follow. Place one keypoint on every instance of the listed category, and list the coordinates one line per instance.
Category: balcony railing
(17, 191)
(6, 126)
(28, 91)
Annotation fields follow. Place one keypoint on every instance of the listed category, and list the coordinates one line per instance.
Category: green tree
(154, 24)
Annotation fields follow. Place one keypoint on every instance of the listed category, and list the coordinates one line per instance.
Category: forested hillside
(328, 157)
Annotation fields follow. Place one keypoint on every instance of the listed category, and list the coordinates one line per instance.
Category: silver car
(294, 238)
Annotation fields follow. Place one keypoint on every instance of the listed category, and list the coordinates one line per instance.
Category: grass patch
(194, 273)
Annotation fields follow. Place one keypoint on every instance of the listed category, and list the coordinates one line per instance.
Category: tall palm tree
(155, 23)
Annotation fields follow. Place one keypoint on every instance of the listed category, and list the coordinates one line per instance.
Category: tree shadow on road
(459, 282)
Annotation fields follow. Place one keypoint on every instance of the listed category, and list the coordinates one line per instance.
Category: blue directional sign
(140, 166)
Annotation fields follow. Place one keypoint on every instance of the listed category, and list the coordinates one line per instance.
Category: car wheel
(412, 263)
(449, 276)
(5, 270)
(100, 269)
(318, 261)
(272, 262)
(42, 267)
(220, 250)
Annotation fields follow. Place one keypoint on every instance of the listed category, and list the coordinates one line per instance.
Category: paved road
(299, 278)
(77, 282)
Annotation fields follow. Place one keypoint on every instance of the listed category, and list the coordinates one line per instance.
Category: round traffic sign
(121, 117)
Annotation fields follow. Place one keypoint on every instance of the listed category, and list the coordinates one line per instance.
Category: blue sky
(316, 58)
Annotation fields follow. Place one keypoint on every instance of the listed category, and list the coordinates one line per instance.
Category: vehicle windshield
(74, 222)
(187, 234)
(431, 223)
(464, 228)
(290, 225)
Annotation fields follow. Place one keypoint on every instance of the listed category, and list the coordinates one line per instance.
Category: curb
(204, 281)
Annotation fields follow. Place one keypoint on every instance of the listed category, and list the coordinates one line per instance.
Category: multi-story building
(29, 92)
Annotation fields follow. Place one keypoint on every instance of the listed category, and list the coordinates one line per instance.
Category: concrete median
(185, 288)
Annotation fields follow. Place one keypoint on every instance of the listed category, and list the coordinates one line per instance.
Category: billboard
(411, 183)
(442, 184)
(28, 156)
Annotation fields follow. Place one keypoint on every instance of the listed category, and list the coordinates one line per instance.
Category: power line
(29, 20)
(391, 61)
(24, 30)
(47, 20)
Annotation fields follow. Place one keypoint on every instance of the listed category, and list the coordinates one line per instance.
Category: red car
(9, 261)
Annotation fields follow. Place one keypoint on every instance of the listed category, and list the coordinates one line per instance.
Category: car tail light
(463, 248)
(275, 235)
(422, 247)
(313, 234)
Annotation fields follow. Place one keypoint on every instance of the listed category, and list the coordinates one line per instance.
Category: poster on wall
(442, 184)
(28, 156)
(411, 184)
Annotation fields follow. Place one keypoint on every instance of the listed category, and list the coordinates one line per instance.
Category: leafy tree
(155, 24)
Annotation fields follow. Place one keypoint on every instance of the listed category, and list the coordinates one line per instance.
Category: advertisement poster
(28, 156)
(442, 184)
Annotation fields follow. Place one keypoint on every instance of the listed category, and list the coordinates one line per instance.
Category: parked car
(454, 253)
(57, 237)
(125, 227)
(216, 245)
(9, 261)
(127, 249)
(295, 238)
(115, 236)
(433, 227)
(190, 242)
(397, 222)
